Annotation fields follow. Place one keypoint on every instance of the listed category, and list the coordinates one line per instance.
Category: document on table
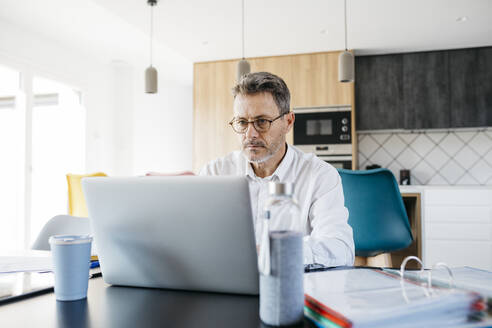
(372, 298)
(466, 278)
(25, 261)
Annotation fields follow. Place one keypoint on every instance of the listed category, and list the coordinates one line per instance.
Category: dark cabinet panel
(378, 92)
(470, 75)
(426, 90)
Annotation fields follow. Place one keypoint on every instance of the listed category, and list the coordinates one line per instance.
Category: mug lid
(70, 239)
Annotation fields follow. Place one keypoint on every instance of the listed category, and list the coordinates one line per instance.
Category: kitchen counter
(455, 223)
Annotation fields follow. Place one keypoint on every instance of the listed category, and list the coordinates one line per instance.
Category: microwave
(324, 130)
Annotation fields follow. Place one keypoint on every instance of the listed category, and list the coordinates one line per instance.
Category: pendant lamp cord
(151, 30)
(242, 23)
(345, 13)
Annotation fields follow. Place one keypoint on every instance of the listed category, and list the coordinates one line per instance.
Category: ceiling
(211, 29)
(202, 30)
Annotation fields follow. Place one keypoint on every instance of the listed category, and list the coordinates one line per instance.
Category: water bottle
(280, 259)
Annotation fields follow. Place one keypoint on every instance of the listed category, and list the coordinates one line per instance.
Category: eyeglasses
(261, 125)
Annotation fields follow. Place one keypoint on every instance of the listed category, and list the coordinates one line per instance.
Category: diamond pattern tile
(466, 136)
(422, 145)
(481, 143)
(452, 172)
(423, 172)
(451, 144)
(408, 137)
(394, 145)
(438, 180)
(381, 157)
(481, 171)
(436, 137)
(467, 179)
(488, 157)
(488, 132)
(466, 157)
(368, 146)
(408, 158)
(381, 137)
(436, 158)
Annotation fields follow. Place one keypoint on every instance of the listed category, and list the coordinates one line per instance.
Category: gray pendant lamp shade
(151, 80)
(346, 59)
(346, 67)
(243, 66)
(151, 72)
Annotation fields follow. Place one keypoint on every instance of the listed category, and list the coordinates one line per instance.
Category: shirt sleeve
(208, 169)
(331, 241)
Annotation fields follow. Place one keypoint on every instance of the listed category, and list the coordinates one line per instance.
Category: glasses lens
(240, 125)
(262, 124)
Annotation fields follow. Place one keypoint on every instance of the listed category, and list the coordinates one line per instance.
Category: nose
(251, 132)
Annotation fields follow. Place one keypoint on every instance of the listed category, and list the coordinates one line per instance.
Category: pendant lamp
(346, 60)
(243, 67)
(151, 72)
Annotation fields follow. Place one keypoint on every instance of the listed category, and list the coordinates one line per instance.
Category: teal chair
(377, 214)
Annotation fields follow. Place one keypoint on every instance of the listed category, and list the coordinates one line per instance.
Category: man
(262, 118)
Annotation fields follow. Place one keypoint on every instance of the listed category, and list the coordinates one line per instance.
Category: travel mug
(71, 256)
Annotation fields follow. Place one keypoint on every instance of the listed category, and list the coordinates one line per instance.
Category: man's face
(259, 147)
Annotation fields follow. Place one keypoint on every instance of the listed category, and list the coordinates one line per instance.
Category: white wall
(163, 129)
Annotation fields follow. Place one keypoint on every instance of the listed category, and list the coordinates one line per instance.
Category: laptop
(180, 232)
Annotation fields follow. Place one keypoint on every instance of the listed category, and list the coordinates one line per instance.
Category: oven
(326, 132)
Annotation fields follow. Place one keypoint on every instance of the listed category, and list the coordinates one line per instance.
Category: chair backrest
(61, 225)
(76, 199)
(377, 214)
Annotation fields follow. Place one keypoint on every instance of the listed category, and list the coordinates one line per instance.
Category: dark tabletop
(112, 306)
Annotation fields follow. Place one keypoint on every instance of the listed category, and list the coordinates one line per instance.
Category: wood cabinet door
(470, 76)
(426, 90)
(379, 92)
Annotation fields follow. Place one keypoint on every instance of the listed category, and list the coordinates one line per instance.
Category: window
(10, 163)
(40, 141)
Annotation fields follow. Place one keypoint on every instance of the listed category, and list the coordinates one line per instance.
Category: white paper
(26, 261)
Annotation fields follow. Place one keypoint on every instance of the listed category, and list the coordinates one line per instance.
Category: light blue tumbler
(71, 256)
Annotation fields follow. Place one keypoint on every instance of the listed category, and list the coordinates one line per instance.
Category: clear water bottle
(280, 259)
(281, 209)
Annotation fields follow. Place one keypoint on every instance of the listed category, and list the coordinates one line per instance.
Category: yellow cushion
(76, 199)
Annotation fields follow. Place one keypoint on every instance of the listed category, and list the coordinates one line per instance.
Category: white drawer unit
(458, 226)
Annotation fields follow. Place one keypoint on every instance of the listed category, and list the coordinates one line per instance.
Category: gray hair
(256, 82)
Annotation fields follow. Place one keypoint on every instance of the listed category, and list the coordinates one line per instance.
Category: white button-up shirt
(328, 238)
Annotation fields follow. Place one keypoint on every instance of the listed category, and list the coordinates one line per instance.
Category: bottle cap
(281, 188)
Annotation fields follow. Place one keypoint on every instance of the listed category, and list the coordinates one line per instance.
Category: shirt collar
(281, 170)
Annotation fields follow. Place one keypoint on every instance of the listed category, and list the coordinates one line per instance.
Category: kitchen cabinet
(456, 225)
(426, 90)
(470, 77)
(379, 92)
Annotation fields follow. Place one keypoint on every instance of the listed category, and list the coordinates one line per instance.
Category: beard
(263, 153)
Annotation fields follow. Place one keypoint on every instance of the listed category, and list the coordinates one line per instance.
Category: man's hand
(153, 174)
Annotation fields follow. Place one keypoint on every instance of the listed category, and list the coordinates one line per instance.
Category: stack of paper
(24, 261)
(372, 298)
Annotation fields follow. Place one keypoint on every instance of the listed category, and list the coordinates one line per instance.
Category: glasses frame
(231, 123)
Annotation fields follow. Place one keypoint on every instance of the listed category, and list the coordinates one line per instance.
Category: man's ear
(290, 117)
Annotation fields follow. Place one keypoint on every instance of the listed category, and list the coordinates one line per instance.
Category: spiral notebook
(374, 298)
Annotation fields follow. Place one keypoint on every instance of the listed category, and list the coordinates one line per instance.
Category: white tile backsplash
(452, 157)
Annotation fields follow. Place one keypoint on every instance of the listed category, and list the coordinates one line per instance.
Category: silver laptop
(186, 232)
